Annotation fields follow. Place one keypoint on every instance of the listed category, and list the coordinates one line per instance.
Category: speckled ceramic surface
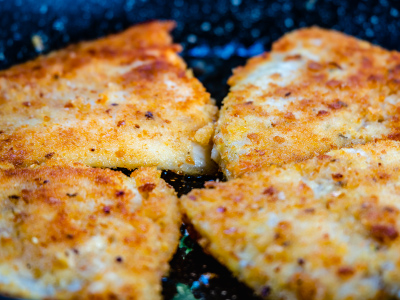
(217, 36)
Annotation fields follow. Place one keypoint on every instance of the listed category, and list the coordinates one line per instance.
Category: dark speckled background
(217, 35)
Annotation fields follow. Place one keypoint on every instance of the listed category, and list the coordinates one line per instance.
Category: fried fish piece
(125, 100)
(317, 90)
(323, 229)
(74, 232)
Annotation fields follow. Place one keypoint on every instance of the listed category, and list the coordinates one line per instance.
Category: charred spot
(70, 236)
(345, 271)
(119, 193)
(26, 103)
(149, 72)
(49, 155)
(72, 195)
(260, 152)
(121, 123)
(1, 131)
(68, 105)
(266, 291)
(149, 115)
(147, 187)
(322, 113)
(102, 179)
(270, 191)
(394, 136)
(107, 209)
(289, 115)
(335, 65)
(221, 209)
(383, 176)
(137, 126)
(337, 104)
(253, 136)
(337, 176)
(108, 111)
(279, 139)
(333, 83)
(376, 77)
(324, 156)
(390, 209)
(37, 67)
(366, 62)
(384, 232)
(314, 66)
(293, 57)
(56, 76)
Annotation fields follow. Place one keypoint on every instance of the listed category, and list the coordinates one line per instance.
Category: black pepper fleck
(119, 193)
(149, 115)
(266, 291)
(119, 259)
(49, 155)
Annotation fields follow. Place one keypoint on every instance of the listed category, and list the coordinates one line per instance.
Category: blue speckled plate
(217, 36)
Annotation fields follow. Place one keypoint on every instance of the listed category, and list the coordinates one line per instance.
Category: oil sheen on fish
(315, 91)
(126, 100)
(74, 232)
(323, 229)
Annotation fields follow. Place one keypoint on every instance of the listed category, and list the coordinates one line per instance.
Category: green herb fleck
(183, 292)
(186, 243)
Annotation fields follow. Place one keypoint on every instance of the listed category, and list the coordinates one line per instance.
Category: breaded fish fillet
(315, 91)
(326, 228)
(73, 232)
(126, 100)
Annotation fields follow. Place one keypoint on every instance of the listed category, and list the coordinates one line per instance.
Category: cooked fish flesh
(323, 229)
(315, 91)
(74, 232)
(126, 100)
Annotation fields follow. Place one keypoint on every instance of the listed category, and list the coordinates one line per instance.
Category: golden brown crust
(326, 228)
(126, 100)
(73, 232)
(315, 91)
